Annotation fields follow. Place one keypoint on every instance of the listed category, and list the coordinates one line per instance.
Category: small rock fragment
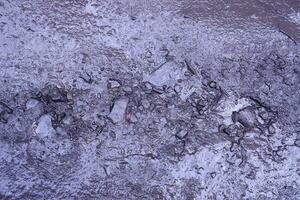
(158, 90)
(177, 89)
(166, 74)
(44, 127)
(127, 90)
(118, 111)
(213, 174)
(185, 93)
(181, 134)
(189, 67)
(212, 84)
(31, 103)
(112, 84)
(271, 130)
(148, 87)
(145, 103)
(133, 119)
(245, 116)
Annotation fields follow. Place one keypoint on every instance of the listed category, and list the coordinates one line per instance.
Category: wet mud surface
(149, 99)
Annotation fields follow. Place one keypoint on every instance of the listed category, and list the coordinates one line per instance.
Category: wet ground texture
(150, 99)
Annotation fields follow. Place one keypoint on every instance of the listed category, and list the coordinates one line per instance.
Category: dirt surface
(150, 99)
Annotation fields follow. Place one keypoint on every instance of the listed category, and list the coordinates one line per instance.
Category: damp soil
(149, 99)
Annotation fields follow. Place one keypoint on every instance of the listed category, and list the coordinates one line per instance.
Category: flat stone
(118, 111)
(181, 134)
(168, 74)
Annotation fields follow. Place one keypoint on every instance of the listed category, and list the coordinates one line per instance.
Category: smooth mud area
(150, 99)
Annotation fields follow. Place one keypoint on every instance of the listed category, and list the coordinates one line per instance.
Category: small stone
(264, 115)
(158, 90)
(245, 116)
(212, 84)
(177, 89)
(181, 134)
(148, 87)
(127, 90)
(112, 134)
(166, 74)
(271, 130)
(69, 96)
(163, 121)
(185, 93)
(231, 130)
(44, 127)
(112, 84)
(213, 174)
(67, 120)
(133, 119)
(187, 73)
(118, 111)
(145, 103)
(31, 103)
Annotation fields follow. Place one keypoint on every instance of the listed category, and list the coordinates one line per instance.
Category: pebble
(264, 115)
(127, 90)
(148, 87)
(31, 103)
(118, 111)
(44, 127)
(181, 134)
(212, 84)
(245, 116)
(213, 174)
(67, 120)
(145, 103)
(133, 119)
(112, 84)
(271, 130)
(177, 89)
(158, 90)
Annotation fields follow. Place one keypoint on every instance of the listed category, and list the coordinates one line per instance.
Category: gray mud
(149, 99)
